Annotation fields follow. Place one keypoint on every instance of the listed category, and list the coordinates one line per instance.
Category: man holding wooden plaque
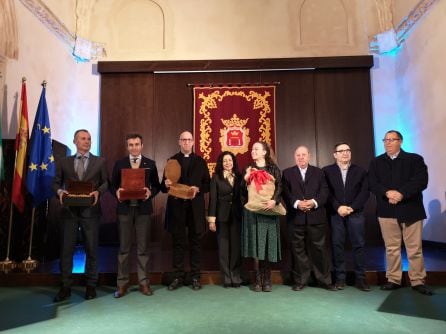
(186, 179)
(134, 183)
(79, 181)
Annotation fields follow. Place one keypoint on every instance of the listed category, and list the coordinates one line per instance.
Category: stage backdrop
(231, 119)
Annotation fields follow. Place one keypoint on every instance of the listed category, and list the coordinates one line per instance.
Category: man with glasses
(185, 218)
(349, 192)
(397, 178)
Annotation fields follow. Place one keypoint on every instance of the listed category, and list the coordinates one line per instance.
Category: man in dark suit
(83, 166)
(185, 218)
(349, 192)
(398, 178)
(134, 216)
(305, 193)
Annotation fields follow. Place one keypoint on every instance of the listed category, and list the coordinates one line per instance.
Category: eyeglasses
(186, 139)
(344, 151)
(390, 140)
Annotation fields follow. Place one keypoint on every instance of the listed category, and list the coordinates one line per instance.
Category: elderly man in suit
(134, 216)
(185, 218)
(83, 166)
(398, 178)
(305, 193)
(349, 192)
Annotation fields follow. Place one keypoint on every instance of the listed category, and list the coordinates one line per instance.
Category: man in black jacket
(397, 179)
(185, 218)
(305, 193)
(349, 192)
(134, 216)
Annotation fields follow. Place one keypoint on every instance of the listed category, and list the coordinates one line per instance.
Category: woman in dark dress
(261, 232)
(225, 212)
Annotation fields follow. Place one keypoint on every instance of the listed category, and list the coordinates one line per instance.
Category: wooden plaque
(133, 181)
(172, 171)
(78, 194)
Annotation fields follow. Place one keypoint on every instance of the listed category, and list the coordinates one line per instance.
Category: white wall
(409, 94)
(72, 90)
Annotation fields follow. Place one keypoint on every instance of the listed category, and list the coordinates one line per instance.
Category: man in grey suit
(83, 166)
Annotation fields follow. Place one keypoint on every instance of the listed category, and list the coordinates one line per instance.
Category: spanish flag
(21, 144)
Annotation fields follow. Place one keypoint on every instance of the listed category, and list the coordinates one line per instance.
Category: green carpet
(218, 310)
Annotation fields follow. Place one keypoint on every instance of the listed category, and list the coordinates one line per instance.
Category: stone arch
(129, 26)
(323, 23)
(148, 30)
(8, 33)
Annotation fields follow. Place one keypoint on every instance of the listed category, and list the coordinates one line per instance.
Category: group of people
(310, 194)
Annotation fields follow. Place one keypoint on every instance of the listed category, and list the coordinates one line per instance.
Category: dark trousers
(72, 220)
(133, 223)
(184, 231)
(309, 252)
(229, 240)
(355, 226)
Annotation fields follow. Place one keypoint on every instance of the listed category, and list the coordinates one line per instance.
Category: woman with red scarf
(261, 229)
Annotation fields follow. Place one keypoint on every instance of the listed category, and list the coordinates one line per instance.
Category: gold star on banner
(43, 166)
(51, 158)
(46, 130)
(32, 167)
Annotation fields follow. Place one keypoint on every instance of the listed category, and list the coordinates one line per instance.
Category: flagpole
(29, 264)
(31, 179)
(7, 265)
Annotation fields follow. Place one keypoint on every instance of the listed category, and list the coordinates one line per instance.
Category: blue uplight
(79, 260)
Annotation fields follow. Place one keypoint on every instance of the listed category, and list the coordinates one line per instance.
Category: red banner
(232, 119)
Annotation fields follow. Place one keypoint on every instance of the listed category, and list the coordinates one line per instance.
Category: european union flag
(41, 167)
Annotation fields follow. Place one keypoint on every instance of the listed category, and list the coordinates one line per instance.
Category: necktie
(80, 167)
(134, 162)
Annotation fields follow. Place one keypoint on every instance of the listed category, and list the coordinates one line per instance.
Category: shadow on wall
(435, 227)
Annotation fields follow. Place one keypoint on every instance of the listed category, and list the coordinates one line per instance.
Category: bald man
(185, 218)
(305, 192)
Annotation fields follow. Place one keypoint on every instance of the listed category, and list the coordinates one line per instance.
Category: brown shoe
(145, 289)
(122, 290)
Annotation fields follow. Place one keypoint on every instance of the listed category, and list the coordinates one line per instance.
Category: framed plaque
(78, 194)
(172, 171)
(133, 181)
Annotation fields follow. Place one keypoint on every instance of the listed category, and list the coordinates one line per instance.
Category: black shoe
(90, 292)
(176, 283)
(63, 294)
(340, 285)
(256, 287)
(267, 288)
(227, 285)
(236, 285)
(362, 285)
(298, 287)
(196, 285)
(329, 287)
(423, 289)
(390, 286)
